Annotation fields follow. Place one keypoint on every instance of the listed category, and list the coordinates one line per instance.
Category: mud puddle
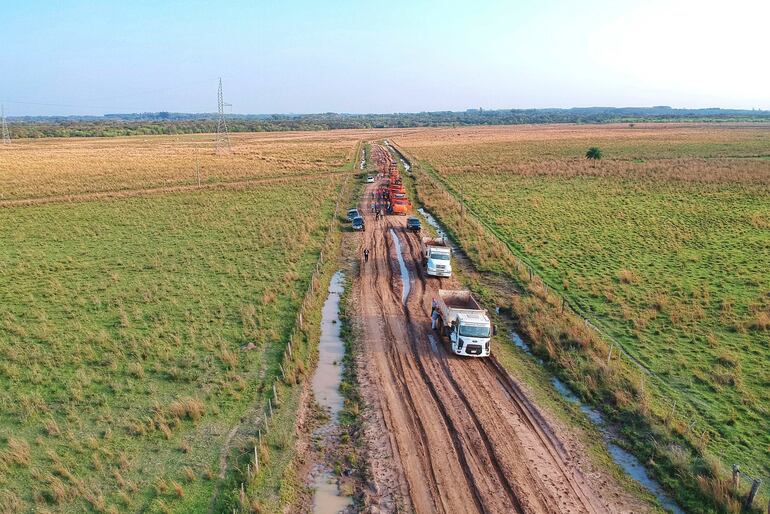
(326, 388)
(405, 280)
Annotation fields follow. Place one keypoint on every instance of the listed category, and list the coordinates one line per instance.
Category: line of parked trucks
(455, 313)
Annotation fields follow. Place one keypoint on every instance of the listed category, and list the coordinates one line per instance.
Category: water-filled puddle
(405, 280)
(331, 350)
(326, 388)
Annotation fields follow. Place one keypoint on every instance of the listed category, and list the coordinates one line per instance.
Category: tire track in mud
(415, 336)
(396, 380)
(444, 360)
(473, 469)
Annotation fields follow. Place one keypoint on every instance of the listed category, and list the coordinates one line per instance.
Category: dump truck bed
(434, 241)
(460, 300)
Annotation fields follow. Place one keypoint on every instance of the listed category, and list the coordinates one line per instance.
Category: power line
(223, 139)
(6, 135)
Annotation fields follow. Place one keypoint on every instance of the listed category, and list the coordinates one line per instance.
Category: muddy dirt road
(457, 434)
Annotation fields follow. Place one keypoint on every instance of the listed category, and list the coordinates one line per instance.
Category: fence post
(736, 477)
(256, 461)
(750, 498)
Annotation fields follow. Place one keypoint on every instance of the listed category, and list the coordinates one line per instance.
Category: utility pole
(5, 134)
(223, 138)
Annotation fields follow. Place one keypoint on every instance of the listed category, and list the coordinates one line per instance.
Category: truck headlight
(460, 344)
(487, 346)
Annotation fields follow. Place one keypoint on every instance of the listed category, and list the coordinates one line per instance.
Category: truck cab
(438, 260)
(470, 334)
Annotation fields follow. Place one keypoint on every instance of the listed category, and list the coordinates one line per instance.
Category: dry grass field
(53, 167)
(665, 241)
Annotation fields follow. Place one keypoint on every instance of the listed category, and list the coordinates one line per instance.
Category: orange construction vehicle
(400, 206)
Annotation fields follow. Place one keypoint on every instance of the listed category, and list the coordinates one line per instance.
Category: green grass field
(666, 242)
(121, 324)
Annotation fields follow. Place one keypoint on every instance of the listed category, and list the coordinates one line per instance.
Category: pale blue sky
(92, 57)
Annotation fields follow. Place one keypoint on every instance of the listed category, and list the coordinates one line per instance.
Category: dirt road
(457, 434)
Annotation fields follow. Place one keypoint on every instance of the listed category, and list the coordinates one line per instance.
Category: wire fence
(683, 406)
(249, 459)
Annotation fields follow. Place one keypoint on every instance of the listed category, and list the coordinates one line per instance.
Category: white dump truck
(457, 315)
(436, 257)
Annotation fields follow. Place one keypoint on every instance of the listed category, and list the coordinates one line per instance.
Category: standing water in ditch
(622, 458)
(433, 223)
(326, 388)
(405, 280)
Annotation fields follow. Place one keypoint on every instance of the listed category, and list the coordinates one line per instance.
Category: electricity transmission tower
(5, 134)
(223, 139)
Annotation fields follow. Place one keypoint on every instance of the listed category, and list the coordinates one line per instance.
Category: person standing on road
(366, 255)
(433, 314)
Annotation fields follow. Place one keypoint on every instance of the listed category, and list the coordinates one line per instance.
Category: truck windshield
(471, 331)
(439, 256)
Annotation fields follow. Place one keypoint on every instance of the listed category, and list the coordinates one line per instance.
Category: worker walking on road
(433, 315)
(366, 255)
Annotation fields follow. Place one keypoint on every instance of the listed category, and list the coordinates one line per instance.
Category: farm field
(665, 242)
(55, 167)
(121, 324)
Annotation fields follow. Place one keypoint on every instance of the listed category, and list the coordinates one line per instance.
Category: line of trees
(183, 123)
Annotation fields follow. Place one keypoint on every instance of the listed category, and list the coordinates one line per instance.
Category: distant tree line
(139, 124)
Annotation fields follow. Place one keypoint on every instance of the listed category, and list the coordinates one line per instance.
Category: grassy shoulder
(675, 455)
